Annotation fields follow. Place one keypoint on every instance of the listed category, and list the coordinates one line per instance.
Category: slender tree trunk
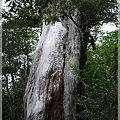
(14, 97)
(9, 99)
(51, 88)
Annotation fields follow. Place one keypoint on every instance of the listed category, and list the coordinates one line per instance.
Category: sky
(109, 27)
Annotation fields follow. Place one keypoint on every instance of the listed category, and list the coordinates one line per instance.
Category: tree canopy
(91, 12)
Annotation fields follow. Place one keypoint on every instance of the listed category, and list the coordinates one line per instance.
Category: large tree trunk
(51, 88)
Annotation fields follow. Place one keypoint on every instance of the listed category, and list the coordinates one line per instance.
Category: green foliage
(18, 44)
(97, 11)
(75, 68)
(92, 12)
(100, 81)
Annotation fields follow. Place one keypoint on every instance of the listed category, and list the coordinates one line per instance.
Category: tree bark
(51, 88)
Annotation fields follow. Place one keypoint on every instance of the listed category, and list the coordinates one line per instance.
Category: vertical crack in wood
(55, 88)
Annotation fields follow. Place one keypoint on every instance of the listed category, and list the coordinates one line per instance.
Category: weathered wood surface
(51, 87)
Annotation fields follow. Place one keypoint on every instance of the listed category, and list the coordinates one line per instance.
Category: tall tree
(52, 87)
